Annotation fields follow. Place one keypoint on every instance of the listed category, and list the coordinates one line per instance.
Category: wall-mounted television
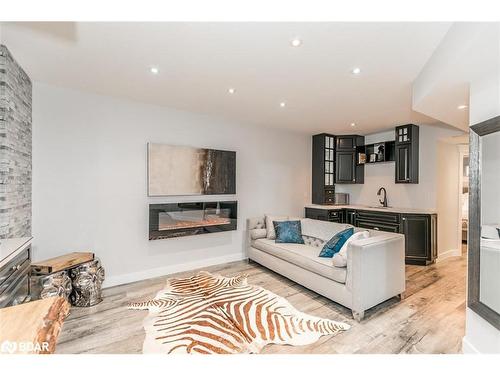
(185, 170)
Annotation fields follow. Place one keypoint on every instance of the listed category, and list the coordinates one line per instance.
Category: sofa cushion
(256, 222)
(303, 256)
(340, 259)
(288, 231)
(258, 233)
(334, 245)
(356, 236)
(313, 241)
(271, 234)
(324, 230)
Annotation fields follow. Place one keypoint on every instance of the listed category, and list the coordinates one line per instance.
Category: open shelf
(384, 152)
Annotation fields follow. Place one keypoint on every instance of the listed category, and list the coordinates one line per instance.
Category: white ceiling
(198, 62)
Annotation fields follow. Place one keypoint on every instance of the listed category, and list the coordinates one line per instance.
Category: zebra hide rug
(209, 314)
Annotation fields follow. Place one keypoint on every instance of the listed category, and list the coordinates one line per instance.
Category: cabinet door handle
(404, 218)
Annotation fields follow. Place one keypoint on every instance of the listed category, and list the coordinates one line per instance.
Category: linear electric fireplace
(189, 218)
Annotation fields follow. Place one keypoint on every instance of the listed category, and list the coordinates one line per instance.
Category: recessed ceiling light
(296, 42)
(231, 90)
(154, 70)
(353, 124)
(282, 104)
(463, 106)
(356, 71)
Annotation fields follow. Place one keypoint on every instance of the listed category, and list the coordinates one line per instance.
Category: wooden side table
(50, 278)
(33, 327)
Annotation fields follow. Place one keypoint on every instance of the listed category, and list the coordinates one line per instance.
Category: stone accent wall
(15, 148)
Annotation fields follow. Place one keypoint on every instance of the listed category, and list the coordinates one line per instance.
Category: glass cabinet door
(329, 160)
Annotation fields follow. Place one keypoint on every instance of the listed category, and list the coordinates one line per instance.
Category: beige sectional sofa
(375, 269)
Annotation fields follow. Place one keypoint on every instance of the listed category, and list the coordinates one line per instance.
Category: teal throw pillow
(288, 231)
(335, 243)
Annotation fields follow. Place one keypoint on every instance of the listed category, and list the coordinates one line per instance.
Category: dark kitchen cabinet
(376, 220)
(336, 216)
(378, 226)
(402, 163)
(420, 230)
(347, 142)
(346, 167)
(406, 150)
(347, 170)
(316, 214)
(420, 238)
(323, 169)
(334, 161)
(350, 217)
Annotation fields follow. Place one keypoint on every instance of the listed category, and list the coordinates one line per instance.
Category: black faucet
(384, 201)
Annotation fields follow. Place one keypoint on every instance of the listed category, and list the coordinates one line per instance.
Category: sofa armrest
(256, 228)
(375, 269)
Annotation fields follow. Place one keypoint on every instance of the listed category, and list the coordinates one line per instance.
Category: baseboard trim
(163, 271)
(467, 347)
(449, 253)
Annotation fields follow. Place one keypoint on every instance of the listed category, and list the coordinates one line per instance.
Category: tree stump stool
(56, 284)
(86, 280)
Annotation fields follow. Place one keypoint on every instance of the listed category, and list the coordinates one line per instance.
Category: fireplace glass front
(190, 218)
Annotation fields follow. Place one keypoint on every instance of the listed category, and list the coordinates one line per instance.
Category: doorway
(463, 225)
(452, 200)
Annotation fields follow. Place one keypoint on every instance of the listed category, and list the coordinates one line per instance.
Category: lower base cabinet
(420, 238)
(337, 216)
(317, 214)
(420, 230)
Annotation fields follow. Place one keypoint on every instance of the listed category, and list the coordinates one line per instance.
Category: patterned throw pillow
(336, 242)
(288, 231)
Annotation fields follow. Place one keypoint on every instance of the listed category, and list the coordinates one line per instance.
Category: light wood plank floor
(430, 320)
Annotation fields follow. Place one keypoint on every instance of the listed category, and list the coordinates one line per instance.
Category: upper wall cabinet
(323, 169)
(347, 170)
(334, 161)
(346, 142)
(406, 154)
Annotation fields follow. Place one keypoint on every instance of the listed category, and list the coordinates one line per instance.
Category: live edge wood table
(32, 328)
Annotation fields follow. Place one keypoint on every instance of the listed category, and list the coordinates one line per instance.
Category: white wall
(421, 195)
(478, 57)
(448, 199)
(89, 180)
(481, 336)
